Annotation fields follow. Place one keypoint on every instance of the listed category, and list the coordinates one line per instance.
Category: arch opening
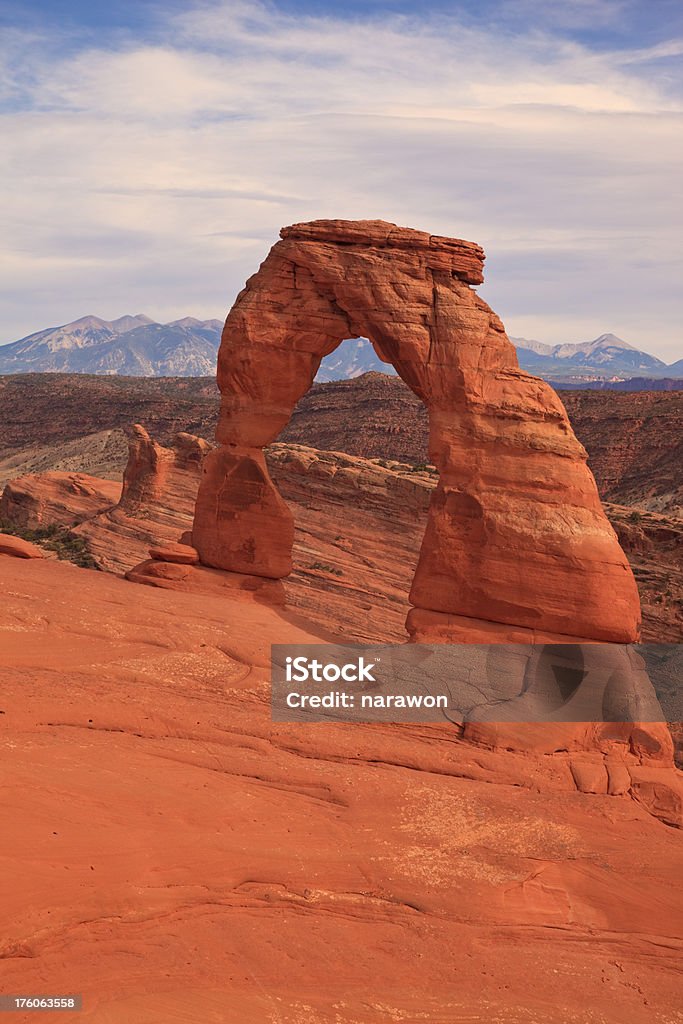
(358, 515)
(352, 358)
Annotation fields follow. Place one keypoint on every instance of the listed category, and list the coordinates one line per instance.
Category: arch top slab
(516, 533)
(465, 259)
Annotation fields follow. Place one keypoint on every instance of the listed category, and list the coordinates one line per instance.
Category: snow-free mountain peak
(133, 345)
(606, 356)
(129, 323)
(136, 345)
(605, 343)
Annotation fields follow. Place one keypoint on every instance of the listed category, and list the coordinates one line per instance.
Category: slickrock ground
(182, 859)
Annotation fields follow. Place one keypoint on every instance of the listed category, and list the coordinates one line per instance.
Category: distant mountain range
(137, 346)
(353, 358)
(606, 357)
(132, 346)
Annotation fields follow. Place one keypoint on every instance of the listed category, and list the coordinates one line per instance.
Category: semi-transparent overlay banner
(477, 683)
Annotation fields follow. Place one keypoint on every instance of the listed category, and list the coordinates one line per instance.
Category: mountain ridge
(132, 345)
(606, 354)
(137, 345)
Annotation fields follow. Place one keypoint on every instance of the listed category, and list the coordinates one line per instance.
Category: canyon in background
(77, 424)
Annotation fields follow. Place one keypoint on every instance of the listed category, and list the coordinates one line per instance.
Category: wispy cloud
(154, 173)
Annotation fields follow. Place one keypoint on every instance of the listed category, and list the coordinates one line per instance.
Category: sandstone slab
(56, 499)
(183, 554)
(16, 547)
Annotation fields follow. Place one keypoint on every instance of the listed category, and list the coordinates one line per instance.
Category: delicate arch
(516, 534)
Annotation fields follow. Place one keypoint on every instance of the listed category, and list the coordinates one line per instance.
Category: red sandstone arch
(517, 544)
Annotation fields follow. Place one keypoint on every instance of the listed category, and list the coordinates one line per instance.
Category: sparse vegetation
(67, 546)
(635, 517)
(323, 567)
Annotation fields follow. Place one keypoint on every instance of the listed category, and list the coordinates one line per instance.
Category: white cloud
(155, 175)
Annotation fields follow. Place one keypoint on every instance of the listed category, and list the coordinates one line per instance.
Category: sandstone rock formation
(56, 499)
(181, 554)
(159, 488)
(359, 523)
(149, 465)
(15, 547)
(516, 534)
(59, 422)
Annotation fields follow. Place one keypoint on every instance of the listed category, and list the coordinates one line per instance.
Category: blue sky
(154, 150)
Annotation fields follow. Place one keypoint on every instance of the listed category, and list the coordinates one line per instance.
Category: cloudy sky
(151, 152)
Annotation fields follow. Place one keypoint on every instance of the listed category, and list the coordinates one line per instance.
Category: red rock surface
(241, 522)
(15, 547)
(183, 554)
(358, 527)
(516, 534)
(56, 499)
(182, 858)
(198, 579)
(159, 490)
